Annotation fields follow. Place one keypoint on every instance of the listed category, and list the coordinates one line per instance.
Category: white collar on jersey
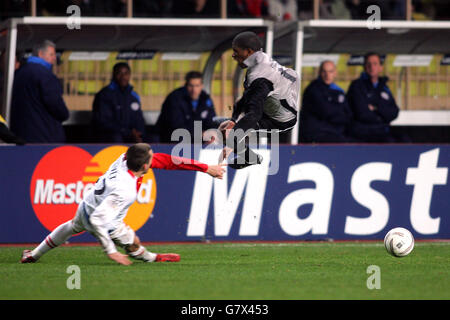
(255, 58)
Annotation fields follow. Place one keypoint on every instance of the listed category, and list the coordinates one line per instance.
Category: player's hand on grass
(120, 258)
(216, 171)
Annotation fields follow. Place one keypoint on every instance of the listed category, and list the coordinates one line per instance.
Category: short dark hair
(193, 75)
(247, 40)
(137, 155)
(120, 65)
(370, 54)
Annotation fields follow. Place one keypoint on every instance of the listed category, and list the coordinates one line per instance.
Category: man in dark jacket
(37, 106)
(325, 115)
(117, 115)
(372, 103)
(184, 106)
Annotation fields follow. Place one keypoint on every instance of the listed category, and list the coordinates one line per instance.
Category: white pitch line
(324, 244)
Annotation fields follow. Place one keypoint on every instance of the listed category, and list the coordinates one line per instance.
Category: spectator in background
(184, 106)
(196, 8)
(305, 9)
(372, 104)
(283, 10)
(334, 9)
(442, 10)
(358, 8)
(116, 114)
(14, 8)
(248, 8)
(423, 10)
(152, 8)
(103, 8)
(37, 106)
(325, 115)
(398, 8)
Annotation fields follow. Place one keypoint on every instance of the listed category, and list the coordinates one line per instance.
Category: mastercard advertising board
(64, 174)
(43, 185)
(345, 192)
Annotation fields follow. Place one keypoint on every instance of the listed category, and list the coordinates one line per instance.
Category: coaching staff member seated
(185, 105)
(325, 115)
(116, 114)
(37, 106)
(372, 103)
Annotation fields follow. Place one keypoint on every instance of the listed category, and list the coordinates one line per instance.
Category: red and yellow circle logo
(64, 174)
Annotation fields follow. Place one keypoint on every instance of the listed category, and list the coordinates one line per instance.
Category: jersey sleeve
(168, 162)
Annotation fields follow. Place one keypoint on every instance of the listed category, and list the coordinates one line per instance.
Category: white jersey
(286, 86)
(106, 205)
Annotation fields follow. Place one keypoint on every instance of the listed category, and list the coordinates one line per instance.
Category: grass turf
(234, 271)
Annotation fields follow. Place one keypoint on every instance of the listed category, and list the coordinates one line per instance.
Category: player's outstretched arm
(168, 162)
(216, 171)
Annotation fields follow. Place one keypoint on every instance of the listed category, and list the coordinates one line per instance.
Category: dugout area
(421, 92)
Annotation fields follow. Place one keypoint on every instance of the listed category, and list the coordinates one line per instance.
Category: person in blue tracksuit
(372, 104)
(183, 107)
(37, 106)
(325, 115)
(117, 116)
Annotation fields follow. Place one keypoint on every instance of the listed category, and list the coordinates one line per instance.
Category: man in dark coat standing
(117, 115)
(325, 115)
(37, 106)
(184, 106)
(372, 103)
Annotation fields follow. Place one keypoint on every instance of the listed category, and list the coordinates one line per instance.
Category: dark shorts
(266, 123)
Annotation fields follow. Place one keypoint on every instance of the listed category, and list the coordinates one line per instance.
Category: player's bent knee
(132, 248)
(136, 241)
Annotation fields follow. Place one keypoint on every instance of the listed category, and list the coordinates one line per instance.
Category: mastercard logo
(65, 174)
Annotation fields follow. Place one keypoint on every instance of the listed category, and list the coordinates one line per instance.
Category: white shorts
(122, 236)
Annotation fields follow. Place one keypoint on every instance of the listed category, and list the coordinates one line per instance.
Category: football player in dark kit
(269, 102)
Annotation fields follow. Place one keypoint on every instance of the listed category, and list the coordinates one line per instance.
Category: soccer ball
(399, 242)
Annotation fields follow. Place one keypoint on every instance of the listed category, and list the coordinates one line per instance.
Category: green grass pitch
(234, 271)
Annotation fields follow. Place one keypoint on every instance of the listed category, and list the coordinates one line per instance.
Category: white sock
(54, 239)
(142, 254)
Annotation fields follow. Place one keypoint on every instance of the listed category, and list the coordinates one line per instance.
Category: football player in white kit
(269, 102)
(104, 207)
